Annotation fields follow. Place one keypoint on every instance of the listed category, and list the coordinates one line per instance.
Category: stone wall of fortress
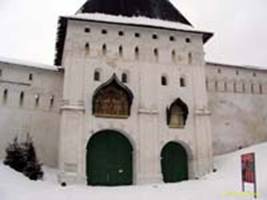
(237, 101)
(29, 104)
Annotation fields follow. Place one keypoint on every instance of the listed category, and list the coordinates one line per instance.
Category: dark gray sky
(28, 28)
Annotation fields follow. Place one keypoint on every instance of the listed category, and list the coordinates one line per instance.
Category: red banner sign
(248, 168)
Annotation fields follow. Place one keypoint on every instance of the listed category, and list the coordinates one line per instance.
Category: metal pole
(255, 181)
(242, 172)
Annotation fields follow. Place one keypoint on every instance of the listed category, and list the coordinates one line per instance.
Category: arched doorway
(109, 159)
(174, 163)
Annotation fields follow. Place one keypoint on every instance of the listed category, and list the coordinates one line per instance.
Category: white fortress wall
(29, 104)
(237, 100)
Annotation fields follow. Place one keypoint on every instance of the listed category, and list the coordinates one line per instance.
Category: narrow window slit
(30, 77)
(164, 81)
(52, 99)
(37, 100)
(124, 78)
(136, 52)
(182, 82)
(120, 51)
(190, 58)
(5, 96)
(87, 46)
(97, 76)
(21, 99)
(173, 55)
(104, 49)
(156, 54)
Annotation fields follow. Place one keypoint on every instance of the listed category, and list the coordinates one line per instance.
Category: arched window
(5, 96)
(177, 114)
(97, 75)
(164, 81)
(124, 78)
(112, 100)
(21, 99)
(182, 82)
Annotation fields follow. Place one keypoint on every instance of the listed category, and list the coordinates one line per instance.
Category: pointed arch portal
(109, 159)
(174, 163)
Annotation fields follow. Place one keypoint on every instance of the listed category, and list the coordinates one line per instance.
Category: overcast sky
(28, 28)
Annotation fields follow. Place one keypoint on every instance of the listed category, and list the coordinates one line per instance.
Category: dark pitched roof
(157, 9)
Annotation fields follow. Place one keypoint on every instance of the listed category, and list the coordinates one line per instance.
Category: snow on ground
(224, 184)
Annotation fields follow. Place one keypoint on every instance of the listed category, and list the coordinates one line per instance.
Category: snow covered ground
(224, 184)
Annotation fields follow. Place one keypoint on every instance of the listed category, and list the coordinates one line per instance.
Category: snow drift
(224, 184)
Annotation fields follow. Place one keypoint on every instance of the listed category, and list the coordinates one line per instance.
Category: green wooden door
(174, 163)
(109, 159)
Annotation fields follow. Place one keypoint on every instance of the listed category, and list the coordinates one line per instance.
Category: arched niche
(112, 99)
(177, 114)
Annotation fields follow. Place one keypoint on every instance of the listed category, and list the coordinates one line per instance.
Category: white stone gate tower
(157, 59)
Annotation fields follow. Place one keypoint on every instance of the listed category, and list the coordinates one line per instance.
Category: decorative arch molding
(177, 114)
(112, 99)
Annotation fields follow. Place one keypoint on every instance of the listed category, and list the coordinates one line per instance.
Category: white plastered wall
(40, 121)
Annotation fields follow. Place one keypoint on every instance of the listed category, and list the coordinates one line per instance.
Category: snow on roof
(113, 19)
(248, 67)
(27, 64)
(138, 20)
